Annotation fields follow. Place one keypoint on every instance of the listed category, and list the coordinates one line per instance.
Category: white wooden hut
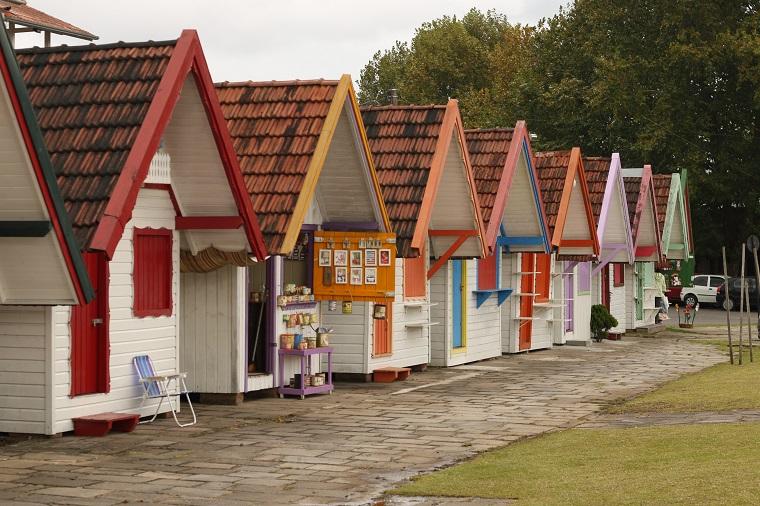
(564, 191)
(158, 173)
(507, 185)
(645, 230)
(607, 192)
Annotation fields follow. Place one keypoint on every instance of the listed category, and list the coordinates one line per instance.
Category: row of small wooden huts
(148, 210)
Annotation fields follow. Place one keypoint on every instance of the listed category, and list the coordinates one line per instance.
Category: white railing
(160, 169)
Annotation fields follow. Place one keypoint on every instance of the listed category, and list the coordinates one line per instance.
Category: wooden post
(726, 306)
(757, 290)
(749, 324)
(741, 306)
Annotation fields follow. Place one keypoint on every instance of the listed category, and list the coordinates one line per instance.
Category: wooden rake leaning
(162, 386)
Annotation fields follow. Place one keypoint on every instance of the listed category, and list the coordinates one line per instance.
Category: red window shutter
(487, 273)
(90, 348)
(383, 334)
(415, 277)
(618, 275)
(605, 274)
(152, 272)
(543, 278)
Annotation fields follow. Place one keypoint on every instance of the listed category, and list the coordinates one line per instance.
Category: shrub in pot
(601, 322)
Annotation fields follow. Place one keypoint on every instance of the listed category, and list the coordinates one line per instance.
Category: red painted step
(100, 424)
(390, 374)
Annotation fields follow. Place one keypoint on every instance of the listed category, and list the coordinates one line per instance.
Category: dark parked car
(734, 286)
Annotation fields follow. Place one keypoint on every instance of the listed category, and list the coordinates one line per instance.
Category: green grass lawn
(722, 387)
(686, 464)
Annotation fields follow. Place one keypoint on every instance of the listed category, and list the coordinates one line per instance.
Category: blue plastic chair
(163, 387)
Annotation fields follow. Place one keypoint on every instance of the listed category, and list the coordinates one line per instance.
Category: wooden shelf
(547, 305)
(482, 295)
(420, 303)
(526, 294)
(526, 272)
(420, 324)
(526, 318)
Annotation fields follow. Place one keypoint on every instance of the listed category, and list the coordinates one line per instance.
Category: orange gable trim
(575, 168)
(452, 124)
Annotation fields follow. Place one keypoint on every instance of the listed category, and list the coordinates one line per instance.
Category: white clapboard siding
(22, 369)
(596, 286)
(544, 324)
(509, 326)
(129, 336)
(350, 337)
(581, 308)
(440, 314)
(212, 349)
(411, 345)
(483, 327)
(618, 304)
(630, 297)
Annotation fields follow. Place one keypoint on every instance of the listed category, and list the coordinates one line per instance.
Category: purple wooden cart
(305, 369)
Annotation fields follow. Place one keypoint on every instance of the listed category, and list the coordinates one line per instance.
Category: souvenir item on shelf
(385, 257)
(340, 258)
(341, 275)
(282, 300)
(297, 340)
(356, 258)
(290, 288)
(305, 290)
(325, 258)
(370, 276)
(286, 341)
(348, 307)
(379, 312)
(356, 276)
(312, 341)
(370, 258)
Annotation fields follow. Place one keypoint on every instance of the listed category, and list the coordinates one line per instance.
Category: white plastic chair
(162, 387)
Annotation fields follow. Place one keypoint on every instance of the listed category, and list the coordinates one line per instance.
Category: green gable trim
(676, 202)
(46, 165)
(39, 228)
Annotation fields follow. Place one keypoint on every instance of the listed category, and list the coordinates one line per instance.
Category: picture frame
(370, 276)
(356, 258)
(356, 276)
(370, 257)
(341, 275)
(325, 258)
(340, 258)
(385, 257)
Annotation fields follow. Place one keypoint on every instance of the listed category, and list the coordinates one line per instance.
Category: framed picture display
(356, 258)
(325, 258)
(385, 257)
(356, 276)
(340, 258)
(370, 276)
(370, 258)
(341, 275)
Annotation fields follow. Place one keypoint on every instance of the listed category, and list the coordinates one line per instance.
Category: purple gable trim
(347, 226)
(615, 183)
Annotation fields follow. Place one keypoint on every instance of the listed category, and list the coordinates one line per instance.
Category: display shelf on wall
(420, 324)
(298, 305)
(419, 303)
(482, 295)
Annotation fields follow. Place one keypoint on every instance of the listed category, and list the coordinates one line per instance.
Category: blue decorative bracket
(482, 295)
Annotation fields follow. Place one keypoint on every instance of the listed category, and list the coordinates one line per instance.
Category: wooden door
(605, 274)
(89, 333)
(458, 304)
(638, 275)
(527, 279)
(569, 280)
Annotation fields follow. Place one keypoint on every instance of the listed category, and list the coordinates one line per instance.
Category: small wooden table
(303, 390)
(99, 425)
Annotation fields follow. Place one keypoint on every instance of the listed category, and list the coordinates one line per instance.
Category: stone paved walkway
(654, 419)
(348, 447)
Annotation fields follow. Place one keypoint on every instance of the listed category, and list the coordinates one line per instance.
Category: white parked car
(704, 289)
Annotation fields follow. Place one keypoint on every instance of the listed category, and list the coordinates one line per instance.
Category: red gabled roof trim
(520, 137)
(187, 57)
(451, 125)
(646, 188)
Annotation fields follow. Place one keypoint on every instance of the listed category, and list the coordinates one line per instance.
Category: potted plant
(601, 322)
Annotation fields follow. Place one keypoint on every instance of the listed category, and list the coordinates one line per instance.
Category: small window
(618, 275)
(487, 272)
(415, 277)
(715, 281)
(152, 272)
(700, 281)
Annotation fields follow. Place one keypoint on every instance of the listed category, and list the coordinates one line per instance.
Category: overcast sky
(274, 39)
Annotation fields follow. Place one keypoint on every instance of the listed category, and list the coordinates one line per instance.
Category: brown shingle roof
(275, 127)
(90, 102)
(632, 193)
(551, 167)
(661, 184)
(22, 14)
(597, 171)
(403, 140)
(488, 150)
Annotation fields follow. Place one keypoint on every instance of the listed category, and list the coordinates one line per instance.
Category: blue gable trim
(537, 200)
